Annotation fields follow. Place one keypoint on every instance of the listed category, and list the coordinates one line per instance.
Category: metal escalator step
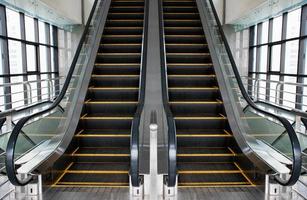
(205, 154)
(116, 80)
(117, 68)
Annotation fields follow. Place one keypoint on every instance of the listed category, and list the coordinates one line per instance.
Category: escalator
(94, 140)
(212, 141)
(102, 156)
(206, 150)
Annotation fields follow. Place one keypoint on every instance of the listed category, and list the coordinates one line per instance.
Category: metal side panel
(74, 115)
(233, 114)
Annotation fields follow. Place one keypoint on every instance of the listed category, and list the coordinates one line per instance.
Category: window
(26, 53)
(293, 24)
(291, 59)
(286, 57)
(265, 32)
(13, 24)
(277, 29)
(275, 58)
(31, 58)
(15, 57)
(30, 32)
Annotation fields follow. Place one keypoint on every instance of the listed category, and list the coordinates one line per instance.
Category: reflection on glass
(15, 57)
(42, 32)
(265, 32)
(275, 58)
(13, 23)
(29, 26)
(263, 59)
(291, 59)
(277, 28)
(293, 23)
(31, 58)
(17, 92)
(43, 59)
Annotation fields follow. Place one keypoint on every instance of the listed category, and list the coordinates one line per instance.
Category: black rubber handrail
(134, 141)
(172, 139)
(10, 150)
(296, 148)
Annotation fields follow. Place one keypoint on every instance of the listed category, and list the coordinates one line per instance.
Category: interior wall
(69, 8)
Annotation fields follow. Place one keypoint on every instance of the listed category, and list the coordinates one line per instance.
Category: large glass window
(25, 56)
(13, 24)
(285, 55)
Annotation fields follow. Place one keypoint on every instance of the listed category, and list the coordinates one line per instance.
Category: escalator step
(116, 80)
(117, 68)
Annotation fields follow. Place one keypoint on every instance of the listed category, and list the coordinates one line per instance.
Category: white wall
(68, 8)
(236, 9)
(219, 8)
(88, 4)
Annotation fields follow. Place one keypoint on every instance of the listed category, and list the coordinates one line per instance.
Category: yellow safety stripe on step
(125, 13)
(193, 88)
(203, 135)
(214, 183)
(223, 185)
(104, 135)
(189, 64)
(111, 102)
(179, 6)
(113, 88)
(188, 27)
(185, 13)
(191, 76)
(186, 44)
(245, 176)
(62, 185)
(97, 172)
(118, 54)
(122, 44)
(125, 36)
(187, 36)
(227, 132)
(106, 118)
(117, 64)
(203, 154)
(187, 54)
(200, 118)
(101, 155)
(234, 153)
(115, 76)
(62, 175)
(93, 183)
(209, 172)
(182, 20)
(125, 27)
(195, 102)
(81, 131)
(74, 152)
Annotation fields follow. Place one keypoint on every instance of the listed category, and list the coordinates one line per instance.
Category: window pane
(17, 92)
(293, 24)
(255, 35)
(289, 92)
(42, 32)
(2, 60)
(291, 60)
(277, 28)
(31, 58)
(15, 57)
(2, 106)
(33, 87)
(265, 32)
(30, 33)
(43, 59)
(305, 96)
(51, 36)
(263, 59)
(275, 58)
(254, 59)
(13, 24)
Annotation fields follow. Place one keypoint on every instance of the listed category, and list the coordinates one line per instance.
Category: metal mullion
(36, 31)
(24, 54)
(48, 53)
(251, 57)
(301, 58)
(5, 59)
(56, 58)
(269, 58)
(283, 54)
(258, 55)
